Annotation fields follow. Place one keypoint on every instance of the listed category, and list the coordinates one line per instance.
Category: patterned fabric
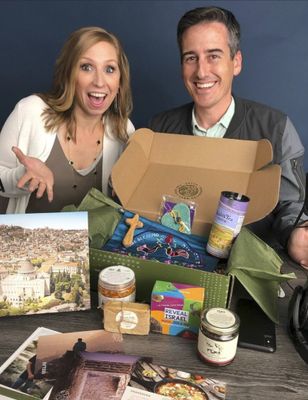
(155, 241)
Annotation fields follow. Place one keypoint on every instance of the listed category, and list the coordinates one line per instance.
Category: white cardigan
(25, 129)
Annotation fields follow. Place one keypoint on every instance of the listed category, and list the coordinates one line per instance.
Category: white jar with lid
(218, 336)
(116, 283)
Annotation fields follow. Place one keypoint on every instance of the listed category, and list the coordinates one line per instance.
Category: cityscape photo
(44, 263)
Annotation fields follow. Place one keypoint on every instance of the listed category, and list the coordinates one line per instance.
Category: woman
(55, 146)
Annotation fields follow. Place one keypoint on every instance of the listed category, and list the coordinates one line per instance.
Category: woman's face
(98, 79)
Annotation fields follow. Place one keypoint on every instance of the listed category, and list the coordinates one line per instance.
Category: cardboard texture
(198, 169)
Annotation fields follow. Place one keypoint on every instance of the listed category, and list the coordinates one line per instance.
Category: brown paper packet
(126, 317)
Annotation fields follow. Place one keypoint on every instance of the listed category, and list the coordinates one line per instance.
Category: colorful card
(176, 308)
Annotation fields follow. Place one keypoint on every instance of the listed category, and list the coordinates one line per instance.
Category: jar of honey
(116, 283)
(218, 336)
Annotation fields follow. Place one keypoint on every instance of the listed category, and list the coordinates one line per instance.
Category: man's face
(207, 66)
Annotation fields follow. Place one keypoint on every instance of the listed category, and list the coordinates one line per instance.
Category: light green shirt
(219, 129)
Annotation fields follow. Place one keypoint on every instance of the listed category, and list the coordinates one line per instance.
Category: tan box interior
(198, 169)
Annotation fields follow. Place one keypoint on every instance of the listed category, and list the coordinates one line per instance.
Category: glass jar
(116, 283)
(218, 336)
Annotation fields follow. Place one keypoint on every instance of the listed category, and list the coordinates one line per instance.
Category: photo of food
(180, 389)
(175, 384)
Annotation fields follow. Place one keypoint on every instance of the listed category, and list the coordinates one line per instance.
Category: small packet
(177, 214)
(127, 317)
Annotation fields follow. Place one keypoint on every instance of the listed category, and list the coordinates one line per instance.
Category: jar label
(217, 351)
(117, 275)
(127, 319)
(220, 317)
(228, 221)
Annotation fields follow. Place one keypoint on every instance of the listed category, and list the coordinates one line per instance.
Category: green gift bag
(257, 267)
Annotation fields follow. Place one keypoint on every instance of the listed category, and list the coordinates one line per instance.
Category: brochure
(44, 263)
(13, 372)
(151, 381)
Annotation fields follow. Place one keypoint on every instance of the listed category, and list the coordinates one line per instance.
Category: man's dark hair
(211, 14)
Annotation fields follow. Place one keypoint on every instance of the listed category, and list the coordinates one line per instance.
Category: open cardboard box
(192, 168)
(198, 169)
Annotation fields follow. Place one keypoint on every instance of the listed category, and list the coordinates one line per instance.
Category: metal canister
(227, 224)
(218, 336)
(116, 283)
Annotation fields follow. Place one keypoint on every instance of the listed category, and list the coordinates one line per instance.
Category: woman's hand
(38, 176)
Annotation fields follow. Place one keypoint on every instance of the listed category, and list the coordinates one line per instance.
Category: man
(209, 42)
(25, 381)
(78, 347)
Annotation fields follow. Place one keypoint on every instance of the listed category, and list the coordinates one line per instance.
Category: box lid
(198, 169)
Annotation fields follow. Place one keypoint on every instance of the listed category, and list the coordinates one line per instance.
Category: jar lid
(116, 277)
(220, 321)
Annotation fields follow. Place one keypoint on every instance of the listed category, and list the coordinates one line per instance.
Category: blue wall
(274, 45)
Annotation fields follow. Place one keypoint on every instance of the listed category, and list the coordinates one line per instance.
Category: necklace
(79, 175)
(71, 161)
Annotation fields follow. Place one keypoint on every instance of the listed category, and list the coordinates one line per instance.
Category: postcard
(14, 378)
(172, 383)
(55, 354)
(94, 376)
(44, 264)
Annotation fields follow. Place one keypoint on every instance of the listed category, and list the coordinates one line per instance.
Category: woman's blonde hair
(61, 98)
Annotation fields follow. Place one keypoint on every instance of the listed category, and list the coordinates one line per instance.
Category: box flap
(129, 170)
(198, 169)
(202, 152)
(263, 191)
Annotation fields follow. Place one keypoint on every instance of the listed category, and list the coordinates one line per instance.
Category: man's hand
(38, 176)
(298, 245)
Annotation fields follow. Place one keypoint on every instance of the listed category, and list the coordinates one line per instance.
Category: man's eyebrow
(188, 53)
(209, 51)
(214, 51)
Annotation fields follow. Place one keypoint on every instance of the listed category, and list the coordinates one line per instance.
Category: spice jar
(218, 336)
(116, 283)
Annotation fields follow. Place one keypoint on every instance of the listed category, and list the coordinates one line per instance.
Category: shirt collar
(224, 120)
